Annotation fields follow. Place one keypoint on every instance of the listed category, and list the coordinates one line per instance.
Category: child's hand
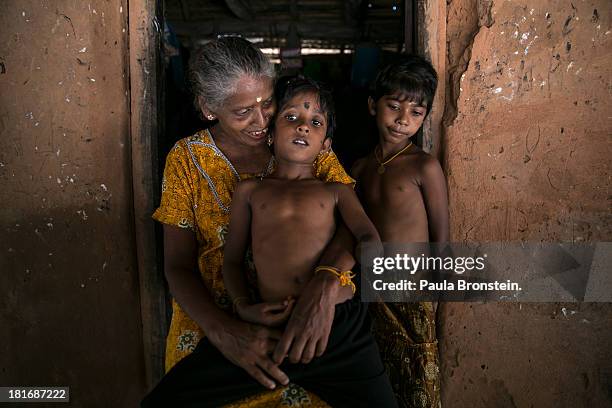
(269, 314)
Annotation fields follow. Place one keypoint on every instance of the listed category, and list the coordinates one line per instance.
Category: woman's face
(246, 114)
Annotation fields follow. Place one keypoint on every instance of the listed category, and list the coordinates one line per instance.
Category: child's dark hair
(413, 76)
(289, 86)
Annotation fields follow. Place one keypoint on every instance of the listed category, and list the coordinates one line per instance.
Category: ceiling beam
(201, 30)
(241, 8)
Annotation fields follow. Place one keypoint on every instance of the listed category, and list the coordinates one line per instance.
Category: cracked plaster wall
(527, 153)
(69, 308)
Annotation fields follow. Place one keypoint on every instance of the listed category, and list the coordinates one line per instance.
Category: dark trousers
(349, 374)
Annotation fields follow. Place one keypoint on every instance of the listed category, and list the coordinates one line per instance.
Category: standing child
(289, 218)
(403, 191)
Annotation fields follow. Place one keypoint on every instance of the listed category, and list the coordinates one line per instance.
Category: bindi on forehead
(258, 99)
(307, 104)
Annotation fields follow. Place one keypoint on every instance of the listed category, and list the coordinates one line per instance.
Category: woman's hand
(270, 314)
(310, 323)
(244, 344)
(249, 346)
(307, 331)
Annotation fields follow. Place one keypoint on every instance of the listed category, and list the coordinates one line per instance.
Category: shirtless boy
(289, 218)
(402, 188)
(403, 191)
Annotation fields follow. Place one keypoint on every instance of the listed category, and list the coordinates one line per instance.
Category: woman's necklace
(230, 152)
(381, 164)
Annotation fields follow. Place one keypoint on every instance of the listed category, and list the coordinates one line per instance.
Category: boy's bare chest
(394, 202)
(396, 185)
(293, 202)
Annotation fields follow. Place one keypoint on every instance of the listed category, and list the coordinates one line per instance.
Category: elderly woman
(233, 85)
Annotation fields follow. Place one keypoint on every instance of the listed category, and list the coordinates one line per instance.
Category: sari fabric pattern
(406, 336)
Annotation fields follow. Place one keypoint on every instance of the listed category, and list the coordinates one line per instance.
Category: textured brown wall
(527, 151)
(69, 309)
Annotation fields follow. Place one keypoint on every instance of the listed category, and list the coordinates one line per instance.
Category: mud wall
(69, 309)
(527, 152)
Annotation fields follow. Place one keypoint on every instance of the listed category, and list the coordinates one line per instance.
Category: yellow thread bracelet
(238, 300)
(346, 277)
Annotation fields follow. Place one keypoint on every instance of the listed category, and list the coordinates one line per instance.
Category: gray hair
(215, 68)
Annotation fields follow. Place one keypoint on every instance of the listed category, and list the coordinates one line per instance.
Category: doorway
(341, 43)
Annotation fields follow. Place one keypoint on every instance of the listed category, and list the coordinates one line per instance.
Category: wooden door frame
(146, 124)
(430, 42)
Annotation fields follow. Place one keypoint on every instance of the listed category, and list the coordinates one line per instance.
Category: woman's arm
(339, 254)
(237, 241)
(308, 328)
(246, 345)
(186, 285)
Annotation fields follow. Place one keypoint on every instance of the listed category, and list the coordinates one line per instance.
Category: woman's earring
(269, 140)
(210, 117)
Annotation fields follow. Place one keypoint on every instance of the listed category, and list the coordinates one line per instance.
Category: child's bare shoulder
(339, 189)
(248, 184)
(246, 187)
(417, 159)
(425, 165)
(336, 185)
(423, 159)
